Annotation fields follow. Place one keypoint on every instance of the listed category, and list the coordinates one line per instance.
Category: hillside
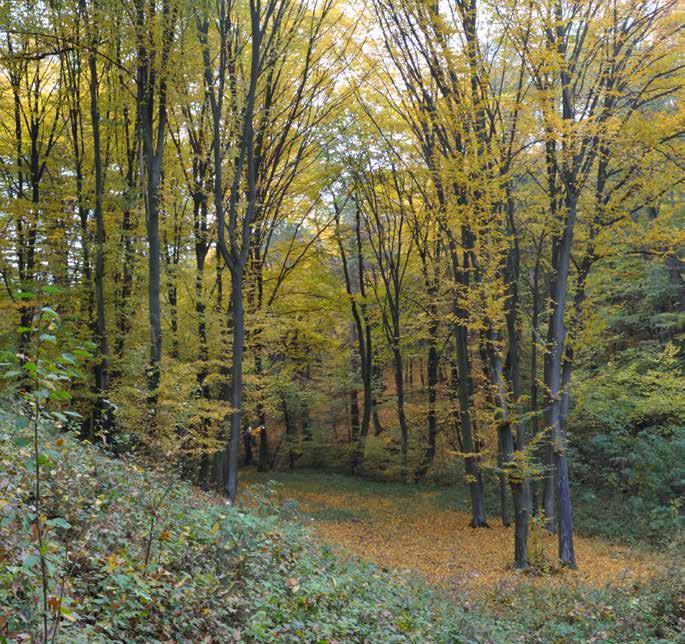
(138, 556)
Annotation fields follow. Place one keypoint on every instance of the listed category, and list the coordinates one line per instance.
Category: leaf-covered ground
(418, 528)
(134, 555)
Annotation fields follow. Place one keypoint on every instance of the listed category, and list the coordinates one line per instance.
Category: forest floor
(417, 528)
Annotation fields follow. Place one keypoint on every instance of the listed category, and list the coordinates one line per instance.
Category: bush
(628, 445)
(139, 556)
(136, 555)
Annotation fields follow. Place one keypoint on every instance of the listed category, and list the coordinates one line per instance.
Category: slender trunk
(555, 385)
(173, 314)
(200, 303)
(24, 337)
(306, 420)
(263, 464)
(219, 459)
(126, 259)
(378, 387)
(549, 491)
(503, 437)
(518, 480)
(465, 388)
(233, 443)
(123, 324)
(366, 368)
(247, 447)
(404, 427)
(154, 305)
(453, 393)
(534, 370)
(497, 399)
(103, 418)
(432, 377)
(226, 331)
(27, 246)
(171, 266)
(201, 247)
(255, 299)
(290, 433)
(151, 89)
(354, 416)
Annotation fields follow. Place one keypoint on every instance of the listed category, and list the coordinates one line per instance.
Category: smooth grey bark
(230, 473)
(431, 415)
(361, 332)
(555, 384)
(431, 280)
(233, 237)
(103, 419)
(152, 105)
(126, 261)
(465, 385)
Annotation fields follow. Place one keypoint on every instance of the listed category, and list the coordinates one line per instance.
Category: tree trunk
(155, 312)
(503, 437)
(555, 385)
(233, 443)
(263, 464)
(354, 416)
(478, 519)
(433, 364)
(103, 415)
(404, 427)
(378, 387)
(290, 433)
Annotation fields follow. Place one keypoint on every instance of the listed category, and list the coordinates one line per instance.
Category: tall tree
(152, 82)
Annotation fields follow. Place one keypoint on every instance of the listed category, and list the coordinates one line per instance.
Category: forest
(342, 321)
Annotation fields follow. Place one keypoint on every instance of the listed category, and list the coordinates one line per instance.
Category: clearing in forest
(416, 528)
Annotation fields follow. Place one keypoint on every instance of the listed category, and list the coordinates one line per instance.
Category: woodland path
(415, 528)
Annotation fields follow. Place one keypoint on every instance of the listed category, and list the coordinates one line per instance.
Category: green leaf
(47, 337)
(22, 441)
(59, 395)
(58, 522)
(60, 417)
(30, 561)
(8, 375)
(45, 461)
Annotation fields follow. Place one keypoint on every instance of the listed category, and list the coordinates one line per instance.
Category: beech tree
(375, 239)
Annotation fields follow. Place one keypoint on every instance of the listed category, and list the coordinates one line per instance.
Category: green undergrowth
(140, 557)
(134, 555)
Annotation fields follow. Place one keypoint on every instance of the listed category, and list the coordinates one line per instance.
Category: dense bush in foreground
(135, 556)
(138, 557)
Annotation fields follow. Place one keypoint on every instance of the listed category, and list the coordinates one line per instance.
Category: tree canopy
(410, 240)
